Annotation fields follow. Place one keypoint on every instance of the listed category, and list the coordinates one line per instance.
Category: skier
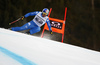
(34, 25)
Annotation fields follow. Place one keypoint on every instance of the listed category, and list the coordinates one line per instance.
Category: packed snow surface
(22, 49)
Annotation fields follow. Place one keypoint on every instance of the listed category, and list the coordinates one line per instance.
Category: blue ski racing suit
(35, 24)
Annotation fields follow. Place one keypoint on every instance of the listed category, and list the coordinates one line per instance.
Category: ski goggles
(44, 13)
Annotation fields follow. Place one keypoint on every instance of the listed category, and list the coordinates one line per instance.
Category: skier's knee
(35, 30)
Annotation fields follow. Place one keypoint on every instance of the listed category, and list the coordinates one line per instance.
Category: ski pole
(15, 21)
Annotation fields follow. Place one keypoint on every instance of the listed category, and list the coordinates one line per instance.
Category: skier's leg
(35, 30)
(26, 26)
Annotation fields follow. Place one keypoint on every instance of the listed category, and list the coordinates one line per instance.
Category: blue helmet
(45, 11)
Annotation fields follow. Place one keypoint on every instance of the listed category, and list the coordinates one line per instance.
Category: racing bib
(39, 20)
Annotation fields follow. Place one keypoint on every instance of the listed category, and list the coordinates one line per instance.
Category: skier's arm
(49, 25)
(31, 14)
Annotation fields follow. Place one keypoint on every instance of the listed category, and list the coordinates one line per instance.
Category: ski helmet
(45, 11)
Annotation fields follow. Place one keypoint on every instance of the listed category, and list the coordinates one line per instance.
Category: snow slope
(22, 49)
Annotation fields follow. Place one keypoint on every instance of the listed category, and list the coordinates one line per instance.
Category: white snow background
(22, 49)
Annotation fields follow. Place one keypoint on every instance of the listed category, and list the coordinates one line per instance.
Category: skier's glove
(22, 18)
(51, 32)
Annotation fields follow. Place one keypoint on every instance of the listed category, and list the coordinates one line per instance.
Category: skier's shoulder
(36, 12)
(47, 19)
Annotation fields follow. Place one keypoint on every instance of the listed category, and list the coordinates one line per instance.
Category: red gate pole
(42, 33)
(64, 24)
